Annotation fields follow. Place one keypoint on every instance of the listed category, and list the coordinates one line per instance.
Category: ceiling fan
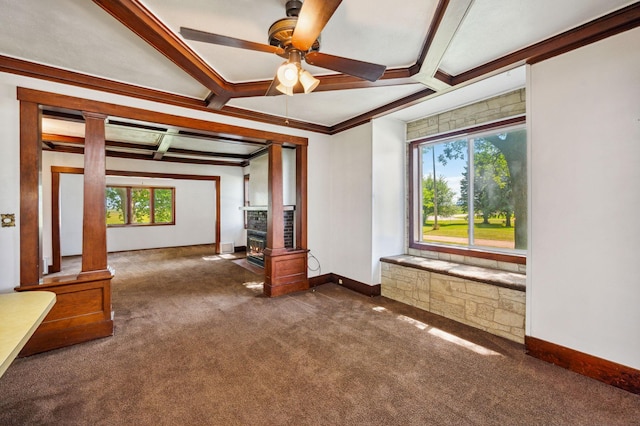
(296, 38)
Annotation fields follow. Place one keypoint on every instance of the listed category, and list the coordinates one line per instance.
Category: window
(127, 205)
(245, 197)
(470, 190)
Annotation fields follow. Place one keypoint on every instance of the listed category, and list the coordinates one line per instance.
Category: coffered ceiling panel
(77, 35)
(495, 28)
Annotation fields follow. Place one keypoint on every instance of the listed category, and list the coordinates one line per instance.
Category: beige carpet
(197, 344)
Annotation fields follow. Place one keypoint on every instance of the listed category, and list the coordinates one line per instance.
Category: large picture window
(470, 190)
(129, 205)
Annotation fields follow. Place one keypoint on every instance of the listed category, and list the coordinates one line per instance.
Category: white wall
(259, 175)
(195, 206)
(351, 192)
(389, 150)
(231, 191)
(584, 130)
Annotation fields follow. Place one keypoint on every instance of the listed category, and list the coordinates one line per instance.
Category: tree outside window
(128, 205)
(487, 210)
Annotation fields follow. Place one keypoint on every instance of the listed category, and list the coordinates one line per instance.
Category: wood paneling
(82, 312)
(30, 207)
(609, 372)
(285, 273)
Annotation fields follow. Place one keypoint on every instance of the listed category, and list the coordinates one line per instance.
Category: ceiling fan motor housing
(281, 31)
(293, 7)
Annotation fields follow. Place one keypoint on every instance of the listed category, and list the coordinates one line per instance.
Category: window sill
(499, 278)
(471, 252)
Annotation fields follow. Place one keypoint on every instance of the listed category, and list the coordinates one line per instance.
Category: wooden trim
(30, 206)
(357, 286)
(433, 28)
(58, 75)
(55, 194)
(598, 29)
(145, 157)
(614, 23)
(71, 102)
(217, 223)
(56, 256)
(383, 110)
(301, 198)
(138, 19)
(609, 372)
(463, 251)
(320, 280)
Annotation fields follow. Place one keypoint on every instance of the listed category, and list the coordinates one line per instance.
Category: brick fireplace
(257, 232)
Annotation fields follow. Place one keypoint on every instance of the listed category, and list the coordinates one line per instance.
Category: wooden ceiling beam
(142, 22)
(145, 157)
(446, 22)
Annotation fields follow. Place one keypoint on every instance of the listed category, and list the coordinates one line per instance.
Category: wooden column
(83, 308)
(94, 226)
(275, 209)
(285, 269)
(30, 203)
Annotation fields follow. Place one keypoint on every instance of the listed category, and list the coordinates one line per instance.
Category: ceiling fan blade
(360, 69)
(313, 16)
(197, 35)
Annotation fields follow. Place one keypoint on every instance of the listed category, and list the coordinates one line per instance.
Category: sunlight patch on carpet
(211, 258)
(253, 285)
(441, 334)
(461, 342)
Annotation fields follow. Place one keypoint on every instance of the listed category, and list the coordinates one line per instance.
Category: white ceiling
(80, 36)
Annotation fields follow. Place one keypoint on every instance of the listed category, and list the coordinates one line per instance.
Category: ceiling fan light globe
(309, 82)
(288, 74)
(285, 89)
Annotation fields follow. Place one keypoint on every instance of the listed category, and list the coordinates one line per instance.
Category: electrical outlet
(339, 280)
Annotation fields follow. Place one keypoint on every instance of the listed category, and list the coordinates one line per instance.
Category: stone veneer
(504, 106)
(484, 298)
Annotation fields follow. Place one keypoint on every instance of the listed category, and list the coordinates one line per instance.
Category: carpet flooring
(196, 343)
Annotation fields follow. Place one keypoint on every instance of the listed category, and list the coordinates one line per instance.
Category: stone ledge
(511, 280)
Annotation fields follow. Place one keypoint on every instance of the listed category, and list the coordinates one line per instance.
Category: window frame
(415, 202)
(129, 206)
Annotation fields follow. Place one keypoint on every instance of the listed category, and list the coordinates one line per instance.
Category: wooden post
(94, 226)
(30, 203)
(275, 212)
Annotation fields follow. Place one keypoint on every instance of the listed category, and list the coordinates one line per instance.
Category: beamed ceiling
(437, 53)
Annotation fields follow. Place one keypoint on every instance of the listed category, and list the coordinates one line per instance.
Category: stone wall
(496, 309)
(504, 106)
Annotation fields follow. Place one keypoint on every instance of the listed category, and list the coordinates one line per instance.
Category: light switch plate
(7, 220)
